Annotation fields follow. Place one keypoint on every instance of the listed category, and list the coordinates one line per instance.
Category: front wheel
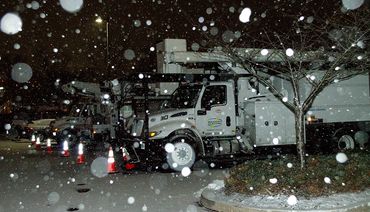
(183, 155)
(70, 136)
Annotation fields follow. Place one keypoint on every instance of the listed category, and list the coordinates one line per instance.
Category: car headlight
(154, 133)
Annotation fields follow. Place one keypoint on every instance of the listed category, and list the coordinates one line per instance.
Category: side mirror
(165, 104)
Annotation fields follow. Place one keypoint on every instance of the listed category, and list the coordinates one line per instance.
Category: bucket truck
(94, 117)
(231, 117)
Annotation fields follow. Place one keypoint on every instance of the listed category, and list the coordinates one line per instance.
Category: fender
(170, 126)
(346, 129)
(191, 133)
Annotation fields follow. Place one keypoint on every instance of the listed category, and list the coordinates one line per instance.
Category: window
(185, 96)
(214, 95)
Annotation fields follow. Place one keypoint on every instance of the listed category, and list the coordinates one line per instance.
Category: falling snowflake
(169, 147)
(71, 6)
(292, 200)
(273, 180)
(129, 54)
(289, 52)
(11, 24)
(275, 141)
(53, 198)
(352, 4)
(327, 180)
(341, 157)
(21, 72)
(131, 200)
(244, 16)
(264, 52)
(17, 46)
(185, 171)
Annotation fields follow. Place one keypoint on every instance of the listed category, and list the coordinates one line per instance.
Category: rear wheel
(70, 136)
(343, 138)
(13, 134)
(346, 142)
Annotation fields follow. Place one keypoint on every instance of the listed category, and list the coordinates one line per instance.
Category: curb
(210, 199)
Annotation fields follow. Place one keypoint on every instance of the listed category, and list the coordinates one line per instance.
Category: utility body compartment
(269, 123)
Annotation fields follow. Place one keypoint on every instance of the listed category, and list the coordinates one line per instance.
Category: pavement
(215, 201)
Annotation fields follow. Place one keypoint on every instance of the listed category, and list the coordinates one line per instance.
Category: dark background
(82, 56)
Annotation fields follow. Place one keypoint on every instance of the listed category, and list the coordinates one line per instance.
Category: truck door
(215, 113)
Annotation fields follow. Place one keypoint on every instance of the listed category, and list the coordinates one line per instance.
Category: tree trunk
(299, 130)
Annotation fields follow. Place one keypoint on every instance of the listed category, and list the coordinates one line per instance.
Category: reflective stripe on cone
(111, 168)
(81, 156)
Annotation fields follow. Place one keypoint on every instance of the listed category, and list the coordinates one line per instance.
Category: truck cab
(207, 110)
(199, 120)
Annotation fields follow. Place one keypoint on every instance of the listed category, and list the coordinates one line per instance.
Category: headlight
(55, 129)
(154, 133)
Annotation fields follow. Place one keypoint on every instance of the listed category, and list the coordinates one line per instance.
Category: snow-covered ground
(34, 181)
(30, 181)
(287, 202)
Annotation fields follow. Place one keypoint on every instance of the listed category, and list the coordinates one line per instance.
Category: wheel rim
(182, 156)
(346, 142)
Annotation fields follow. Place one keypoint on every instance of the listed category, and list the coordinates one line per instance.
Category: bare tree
(335, 46)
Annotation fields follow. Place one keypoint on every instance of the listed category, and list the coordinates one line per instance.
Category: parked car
(40, 124)
(20, 120)
(39, 128)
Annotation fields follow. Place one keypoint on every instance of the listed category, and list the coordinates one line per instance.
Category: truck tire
(13, 134)
(343, 138)
(346, 142)
(183, 154)
(70, 136)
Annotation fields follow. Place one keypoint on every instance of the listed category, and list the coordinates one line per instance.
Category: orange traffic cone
(49, 150)
(126, 158)
(33, 139)
(81, 156)
(65, 152)
(111, 162)
(38, 144)
(125, 155)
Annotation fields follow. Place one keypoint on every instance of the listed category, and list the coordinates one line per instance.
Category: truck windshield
(185, 96)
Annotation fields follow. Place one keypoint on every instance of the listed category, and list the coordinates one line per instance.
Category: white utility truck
(94, 116)
(228, 118)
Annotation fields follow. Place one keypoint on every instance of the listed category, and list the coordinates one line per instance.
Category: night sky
(66, 46)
